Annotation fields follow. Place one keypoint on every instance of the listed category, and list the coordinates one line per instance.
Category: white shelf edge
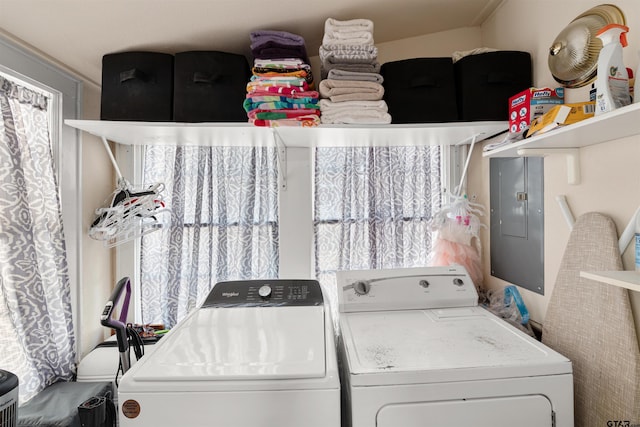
(620, 123)
(245, 134)
(623, 279)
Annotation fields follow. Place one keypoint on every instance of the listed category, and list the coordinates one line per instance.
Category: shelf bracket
(113, 159)
(472, 139)
(458, 191)
(281, 152)
(573, 159)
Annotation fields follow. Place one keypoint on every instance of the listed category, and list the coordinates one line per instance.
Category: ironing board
(591, 323)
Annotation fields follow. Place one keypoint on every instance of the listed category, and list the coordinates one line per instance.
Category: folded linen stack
(352, 88)
(348, 45)
(281, 90)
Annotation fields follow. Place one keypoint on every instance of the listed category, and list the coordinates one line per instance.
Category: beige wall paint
(97, 261)
(610, 171)
(433, 45)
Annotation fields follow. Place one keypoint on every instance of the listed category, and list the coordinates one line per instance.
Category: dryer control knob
(458, 282)
(361, 287)
(264, 291)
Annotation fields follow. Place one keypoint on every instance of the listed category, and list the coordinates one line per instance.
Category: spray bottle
(612, 85)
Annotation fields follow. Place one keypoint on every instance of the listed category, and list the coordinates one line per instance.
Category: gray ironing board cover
(592, 324)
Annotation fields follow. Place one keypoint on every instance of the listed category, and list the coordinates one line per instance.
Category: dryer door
(521, 411)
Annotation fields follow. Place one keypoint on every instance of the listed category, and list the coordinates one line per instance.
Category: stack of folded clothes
(352, 88)
(348, 45)
(281, 90)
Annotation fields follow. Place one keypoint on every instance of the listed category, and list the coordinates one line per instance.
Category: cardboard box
(531, 103)
(561, 115)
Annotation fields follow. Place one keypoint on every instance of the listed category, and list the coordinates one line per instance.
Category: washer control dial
(264, 291)
(458, 281)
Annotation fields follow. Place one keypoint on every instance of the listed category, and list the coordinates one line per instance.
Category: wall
(97, 183)
(610, 173)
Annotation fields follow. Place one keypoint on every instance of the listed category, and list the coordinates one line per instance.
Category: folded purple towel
(273, 51)
(280, 37)
(273, 44)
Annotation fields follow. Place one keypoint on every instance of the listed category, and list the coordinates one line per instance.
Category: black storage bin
(486, 81)
(137, 86)
(210, 86)
(420, 90)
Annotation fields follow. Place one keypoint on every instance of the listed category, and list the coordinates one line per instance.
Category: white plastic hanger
(129, 213)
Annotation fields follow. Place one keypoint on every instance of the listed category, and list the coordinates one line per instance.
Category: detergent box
(532, 103)
(561, 115)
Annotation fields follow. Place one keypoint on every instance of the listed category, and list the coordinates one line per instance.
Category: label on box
(531, 103)
(561, 115)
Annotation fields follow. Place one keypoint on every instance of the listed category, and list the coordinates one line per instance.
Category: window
(36, 320)
(223, 225)
(372, 209)
(47, 151)
(66, 96)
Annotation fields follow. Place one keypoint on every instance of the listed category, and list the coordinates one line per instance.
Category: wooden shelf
(617, 124)
(245, 134)
(623, 279)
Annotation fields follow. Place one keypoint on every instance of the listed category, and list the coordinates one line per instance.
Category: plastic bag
(507, 304)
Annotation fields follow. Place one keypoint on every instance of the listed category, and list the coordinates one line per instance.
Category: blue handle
(511, 292)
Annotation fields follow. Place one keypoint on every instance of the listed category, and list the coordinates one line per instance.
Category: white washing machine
(417, 350)
(256, 353)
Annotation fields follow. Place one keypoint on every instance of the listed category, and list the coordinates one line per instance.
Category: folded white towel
(327, 106)
(348, 38)
(351, 25)
(357, 116)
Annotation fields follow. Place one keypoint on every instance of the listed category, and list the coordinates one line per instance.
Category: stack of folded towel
(352, 88)
(348, 45)
(281, 90)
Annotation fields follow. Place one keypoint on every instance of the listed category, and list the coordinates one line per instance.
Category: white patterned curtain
(372, 208)
(37, 340)
(223, 225)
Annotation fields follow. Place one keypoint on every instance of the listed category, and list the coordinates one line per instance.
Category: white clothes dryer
(417, 350)
(256, 353)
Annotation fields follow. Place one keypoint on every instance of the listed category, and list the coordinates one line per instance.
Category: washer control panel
(265, 293)
(405, 289)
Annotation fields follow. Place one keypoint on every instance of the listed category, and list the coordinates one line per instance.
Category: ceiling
(78, 33)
